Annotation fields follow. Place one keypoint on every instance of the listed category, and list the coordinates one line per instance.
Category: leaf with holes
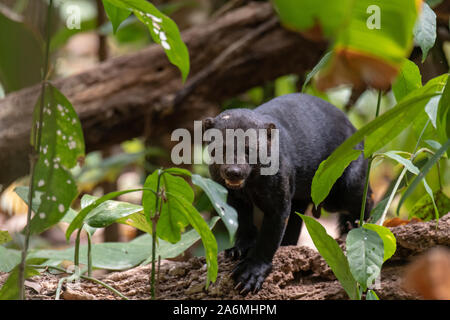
(162, 29)
(61, 145)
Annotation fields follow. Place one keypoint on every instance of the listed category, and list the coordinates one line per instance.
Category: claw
(238, 286)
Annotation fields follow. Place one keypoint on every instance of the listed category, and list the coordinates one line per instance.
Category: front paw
(239, 251)
(250, 274)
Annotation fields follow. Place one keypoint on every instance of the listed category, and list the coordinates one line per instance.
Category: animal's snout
(233, 173)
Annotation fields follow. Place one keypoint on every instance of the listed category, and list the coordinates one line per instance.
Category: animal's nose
(233, 172)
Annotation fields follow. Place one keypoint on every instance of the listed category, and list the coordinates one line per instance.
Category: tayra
(309, 130)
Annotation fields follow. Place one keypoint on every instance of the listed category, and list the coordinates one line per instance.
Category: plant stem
(369, 165)
(154, 222)
(391, 197)
(33, 159)
(83, 277)
(89, 254)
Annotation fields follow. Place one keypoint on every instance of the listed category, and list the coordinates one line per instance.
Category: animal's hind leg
(294, 224)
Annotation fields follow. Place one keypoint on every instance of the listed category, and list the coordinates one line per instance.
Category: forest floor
(299, 272)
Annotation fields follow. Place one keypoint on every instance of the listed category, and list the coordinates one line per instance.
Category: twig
(83, 277)
(205, 73)
(34, 157)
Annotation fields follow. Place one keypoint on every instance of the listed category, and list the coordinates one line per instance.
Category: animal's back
(309, 126)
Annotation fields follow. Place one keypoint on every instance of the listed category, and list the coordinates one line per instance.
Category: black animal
(310, 129)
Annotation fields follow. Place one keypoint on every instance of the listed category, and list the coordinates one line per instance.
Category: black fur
(310, 130)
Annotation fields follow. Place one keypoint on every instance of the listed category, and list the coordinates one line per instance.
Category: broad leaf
(389, 241)
(115, 14)
(162, 29)
(425, 30)
(365, 253)
(405, 162)
(217, 194)
(208, 239)
(21, 55)
(61, 145)
(8, 259)
(408, 80)
(78, 221)
(10, 289)
(333, 255)
(328, 173)
(109, 212)
(4, 237)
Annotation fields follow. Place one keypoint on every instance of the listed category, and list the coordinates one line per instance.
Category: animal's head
(237, 137)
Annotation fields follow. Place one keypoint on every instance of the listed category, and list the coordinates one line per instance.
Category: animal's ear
(270, 127)
(208, 123)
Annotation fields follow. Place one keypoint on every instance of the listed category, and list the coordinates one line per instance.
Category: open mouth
(234, 184)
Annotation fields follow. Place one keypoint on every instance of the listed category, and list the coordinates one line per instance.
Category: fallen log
(298, 272)
(133, 95)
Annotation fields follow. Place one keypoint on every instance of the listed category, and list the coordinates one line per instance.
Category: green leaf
(162, 29)
(217, 194)
(443, 115)
(8, 259)
(371, 295)
(109, 212)
(365, 252)
(80, 218)
(405, 162)
(166, 249)
(319, 66)
(377, 134)
(433, 144)
(424, 208)
(389, 241)
(138, 221)
(304, 14)
(21, 55)
(4, 237)
(430, 163)
(122, 255)
(171, 222)
(178, 171)
(328, 173)
(61, 145)
(432, 109)
(407, 81)
(333, 255)
(208, 239)
(425, 30)
(10, 289)
(115, 14)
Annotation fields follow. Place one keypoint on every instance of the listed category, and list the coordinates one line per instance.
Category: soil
(298, 272)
